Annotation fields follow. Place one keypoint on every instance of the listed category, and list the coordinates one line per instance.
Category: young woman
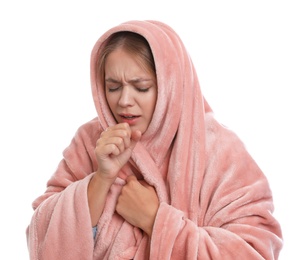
(154, 175)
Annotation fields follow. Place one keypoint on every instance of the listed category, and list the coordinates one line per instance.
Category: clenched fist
(114, 148)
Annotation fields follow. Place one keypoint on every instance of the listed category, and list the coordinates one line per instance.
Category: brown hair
(131, 42)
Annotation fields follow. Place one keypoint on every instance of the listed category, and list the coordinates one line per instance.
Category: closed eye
(142, 89)
(113, 89)
(112, 85)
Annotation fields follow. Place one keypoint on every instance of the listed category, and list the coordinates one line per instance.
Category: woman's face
(130, 89)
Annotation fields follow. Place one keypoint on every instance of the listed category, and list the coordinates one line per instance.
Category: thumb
(146, 185)
(135, 138)
(131, 178)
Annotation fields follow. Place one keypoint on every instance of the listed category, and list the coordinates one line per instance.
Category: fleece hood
(177, 89)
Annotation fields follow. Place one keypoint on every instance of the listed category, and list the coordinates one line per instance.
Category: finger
(116, 131)
(114, 150)
(131, 178)
(120, 130)
(106, 150)
(123, 139)
(122, 126)
(118, 141)
(119, 137)
(104, 144)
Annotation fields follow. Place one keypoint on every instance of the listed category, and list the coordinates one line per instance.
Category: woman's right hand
(114, 148)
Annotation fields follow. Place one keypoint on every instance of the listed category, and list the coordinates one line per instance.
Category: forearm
(97, 192)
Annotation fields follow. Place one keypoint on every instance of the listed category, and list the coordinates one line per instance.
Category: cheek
(111, 102)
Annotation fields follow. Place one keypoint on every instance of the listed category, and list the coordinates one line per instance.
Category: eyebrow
(136, 80)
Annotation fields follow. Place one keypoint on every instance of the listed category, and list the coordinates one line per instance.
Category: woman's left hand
(138, 204)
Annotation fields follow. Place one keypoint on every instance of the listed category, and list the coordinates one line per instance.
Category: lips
(129, 118)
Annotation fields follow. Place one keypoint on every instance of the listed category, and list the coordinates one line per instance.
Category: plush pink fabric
(215, 201)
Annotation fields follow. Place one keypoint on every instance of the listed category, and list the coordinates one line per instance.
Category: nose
(126, 98)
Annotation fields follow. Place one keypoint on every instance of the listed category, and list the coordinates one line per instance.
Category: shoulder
(221, 140)
(90, 128)
(217, 132)
(86, 135)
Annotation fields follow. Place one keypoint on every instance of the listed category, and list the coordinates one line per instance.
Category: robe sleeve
(248, 237)
(236, 208)
(60, 227)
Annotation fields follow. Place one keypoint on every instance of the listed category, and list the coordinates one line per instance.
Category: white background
(249, 58)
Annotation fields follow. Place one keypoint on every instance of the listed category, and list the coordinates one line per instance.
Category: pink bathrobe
(215, 202)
